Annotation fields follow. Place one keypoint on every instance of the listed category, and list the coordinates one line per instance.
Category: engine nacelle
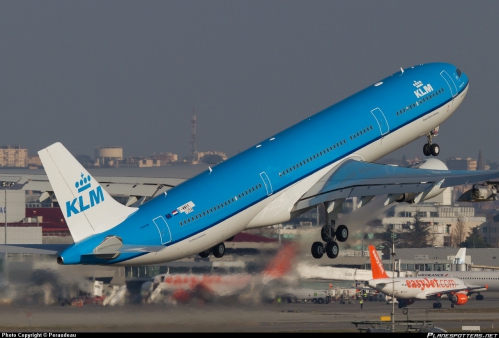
(429, 163)
(459, 299)
(410, 301)
(481, 193)
(405, 302)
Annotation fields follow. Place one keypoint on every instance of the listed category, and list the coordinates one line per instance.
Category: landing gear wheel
(426, 149)
(479, 297)
(439, 305)
(326, 233)
(434, 305)
(219, 250)
(204, 254)
(405, 311)
(332, 249)
(320, 301)
(342, 233)
(317, 250)
(452, 305)
(435, 149)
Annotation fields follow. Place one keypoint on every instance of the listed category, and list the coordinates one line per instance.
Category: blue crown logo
(84, 183)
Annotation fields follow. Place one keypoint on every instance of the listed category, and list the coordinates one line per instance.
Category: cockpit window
(458, 72)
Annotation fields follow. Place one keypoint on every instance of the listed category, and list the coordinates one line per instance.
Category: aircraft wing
(134, 187)
(355, 178)
(453, 291)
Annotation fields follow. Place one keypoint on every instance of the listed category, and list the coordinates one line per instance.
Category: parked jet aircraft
(275, 180)
(476, 277)
(186, 287)
(409, 289)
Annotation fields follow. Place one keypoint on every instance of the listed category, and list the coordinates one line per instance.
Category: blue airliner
(325, 158)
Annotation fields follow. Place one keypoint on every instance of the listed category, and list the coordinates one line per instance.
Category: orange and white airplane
(184, 288)
(408, 289)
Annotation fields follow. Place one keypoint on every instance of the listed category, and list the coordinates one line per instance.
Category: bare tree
(420, 235)
(459, 233)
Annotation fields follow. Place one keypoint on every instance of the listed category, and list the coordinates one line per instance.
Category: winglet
(376, 265)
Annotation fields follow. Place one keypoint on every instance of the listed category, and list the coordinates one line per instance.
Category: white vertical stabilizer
(460, 256)
(86, 206)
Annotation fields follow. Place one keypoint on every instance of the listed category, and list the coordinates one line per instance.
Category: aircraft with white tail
(323, 159)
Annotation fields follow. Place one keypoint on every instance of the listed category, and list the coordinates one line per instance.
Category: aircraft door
(450, 82)
(266, 182)
(381, 119)
(163, 229)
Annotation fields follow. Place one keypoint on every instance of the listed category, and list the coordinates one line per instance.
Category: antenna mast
(194, 147)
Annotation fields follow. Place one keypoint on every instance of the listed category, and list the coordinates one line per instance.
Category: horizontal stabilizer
(40, 249)
(111, 252)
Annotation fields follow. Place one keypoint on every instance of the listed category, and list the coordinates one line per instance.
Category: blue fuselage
(236, 190)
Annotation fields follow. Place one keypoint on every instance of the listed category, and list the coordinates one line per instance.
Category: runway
(275, 317)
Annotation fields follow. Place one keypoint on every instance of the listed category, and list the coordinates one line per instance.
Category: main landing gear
(328, 235)
(218, 251)
(431, 148)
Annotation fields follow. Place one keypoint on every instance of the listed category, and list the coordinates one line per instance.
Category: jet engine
(459, 299)
(481, 193)
(410, 301)
(429, 163)
(405, 302)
